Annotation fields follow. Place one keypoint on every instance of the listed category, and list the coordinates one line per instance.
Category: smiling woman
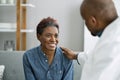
(46, 61)
(47, 34)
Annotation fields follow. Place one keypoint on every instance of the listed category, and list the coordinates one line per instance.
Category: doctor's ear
(93, 20)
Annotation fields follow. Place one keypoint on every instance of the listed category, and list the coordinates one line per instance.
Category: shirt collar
(99, 33)
(57, 57)
(111, 27)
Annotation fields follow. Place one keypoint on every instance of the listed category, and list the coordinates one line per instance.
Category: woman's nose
(53, 38)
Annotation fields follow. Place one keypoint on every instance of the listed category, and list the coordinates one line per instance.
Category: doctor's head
(98, 14)
(47, 33)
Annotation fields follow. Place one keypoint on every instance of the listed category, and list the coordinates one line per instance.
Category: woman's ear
(38, 36)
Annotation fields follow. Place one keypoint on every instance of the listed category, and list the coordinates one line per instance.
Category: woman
(46, 61)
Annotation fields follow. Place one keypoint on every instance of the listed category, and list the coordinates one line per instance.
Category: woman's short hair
(46, 22)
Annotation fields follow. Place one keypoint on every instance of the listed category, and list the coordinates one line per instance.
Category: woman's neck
(49, 55)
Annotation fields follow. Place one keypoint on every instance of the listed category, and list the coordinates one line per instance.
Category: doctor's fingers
(69, 53)
(66, 50)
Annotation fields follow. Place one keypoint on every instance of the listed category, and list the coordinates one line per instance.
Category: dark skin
(97, 15)
(49, 40)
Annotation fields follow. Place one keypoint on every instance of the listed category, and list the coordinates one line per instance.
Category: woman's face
(49, 38)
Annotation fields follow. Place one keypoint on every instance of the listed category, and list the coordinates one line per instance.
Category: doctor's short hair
(46, 22)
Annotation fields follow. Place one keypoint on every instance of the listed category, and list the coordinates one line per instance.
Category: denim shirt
(36, 65)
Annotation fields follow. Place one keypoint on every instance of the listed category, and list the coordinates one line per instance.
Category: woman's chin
(53, 48)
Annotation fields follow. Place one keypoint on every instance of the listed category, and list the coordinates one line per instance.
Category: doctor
(103, 62)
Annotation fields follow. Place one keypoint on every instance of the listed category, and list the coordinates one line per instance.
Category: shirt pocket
(57, 73)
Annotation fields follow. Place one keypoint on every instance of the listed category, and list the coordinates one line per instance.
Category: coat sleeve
(81, 58)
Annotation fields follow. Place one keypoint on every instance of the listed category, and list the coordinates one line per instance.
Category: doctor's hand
(69, 53)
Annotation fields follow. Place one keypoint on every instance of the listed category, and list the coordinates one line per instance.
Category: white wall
(68, 16)
(65, 11)
(73, 34)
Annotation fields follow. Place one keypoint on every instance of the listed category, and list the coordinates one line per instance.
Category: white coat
(103, 62)
(117, 6)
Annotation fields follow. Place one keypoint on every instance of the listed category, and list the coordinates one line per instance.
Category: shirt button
(48, 71)
(46, 60)
(60, 72)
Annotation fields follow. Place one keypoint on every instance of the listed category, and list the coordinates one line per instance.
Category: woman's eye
(48, 35)
(56, 36)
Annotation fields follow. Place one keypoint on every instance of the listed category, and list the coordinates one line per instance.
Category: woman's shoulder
(61, 54)
(31, 51)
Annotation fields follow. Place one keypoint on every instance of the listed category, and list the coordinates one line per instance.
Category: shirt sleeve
(81, 58)
(68, 74)
(27, 69)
